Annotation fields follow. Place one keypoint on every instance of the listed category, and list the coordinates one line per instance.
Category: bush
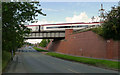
(6, 57)
(44, 42)
(110, 29)
(98, 30)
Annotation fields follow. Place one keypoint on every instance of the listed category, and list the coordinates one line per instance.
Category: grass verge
(6, 57)
(40, 50)
(96, 62)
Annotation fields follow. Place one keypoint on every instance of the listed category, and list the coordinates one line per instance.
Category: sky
(61, 12)
(67, 12)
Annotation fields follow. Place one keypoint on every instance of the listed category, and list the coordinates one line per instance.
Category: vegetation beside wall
(40, 50)
(96, 62)
(44, 42)
(110, 29)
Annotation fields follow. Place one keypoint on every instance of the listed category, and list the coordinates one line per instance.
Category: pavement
(28, 60)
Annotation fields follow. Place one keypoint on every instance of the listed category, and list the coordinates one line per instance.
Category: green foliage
(44, 42)
(40, 50)
(111, 27)
(95, 62)
(14, 14)
(27, 43)
(48, 41)
(98, 30)
(6, 58)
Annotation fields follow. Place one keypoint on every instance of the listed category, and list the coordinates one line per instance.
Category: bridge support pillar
(68, 32)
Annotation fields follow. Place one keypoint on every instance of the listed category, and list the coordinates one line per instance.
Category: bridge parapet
(46, 35)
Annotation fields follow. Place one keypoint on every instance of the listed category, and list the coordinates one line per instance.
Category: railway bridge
(38, 34)
(46, 35)
(56, 31)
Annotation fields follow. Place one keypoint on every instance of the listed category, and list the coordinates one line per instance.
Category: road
(31, 61)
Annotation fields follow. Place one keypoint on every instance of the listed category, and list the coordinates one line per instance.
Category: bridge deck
(46, 35)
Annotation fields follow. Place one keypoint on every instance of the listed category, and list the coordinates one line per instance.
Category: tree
(14, 14)
(110, 29)
(111, 26)
(43, 43)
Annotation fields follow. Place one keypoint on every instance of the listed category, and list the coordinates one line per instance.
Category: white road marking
(73, 71)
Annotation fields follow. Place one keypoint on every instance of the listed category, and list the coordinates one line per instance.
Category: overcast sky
(61, 12)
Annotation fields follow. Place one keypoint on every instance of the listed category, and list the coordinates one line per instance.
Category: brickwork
(86, 44)
(112, 49)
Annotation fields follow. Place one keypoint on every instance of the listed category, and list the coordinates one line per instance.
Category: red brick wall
(86, 44)
(112, 49)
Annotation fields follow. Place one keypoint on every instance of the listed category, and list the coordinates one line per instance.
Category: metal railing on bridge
(46, 35)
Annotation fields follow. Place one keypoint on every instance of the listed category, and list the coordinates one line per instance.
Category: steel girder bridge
(38, 34)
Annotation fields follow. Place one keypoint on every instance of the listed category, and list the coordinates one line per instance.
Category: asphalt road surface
(30, 61)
